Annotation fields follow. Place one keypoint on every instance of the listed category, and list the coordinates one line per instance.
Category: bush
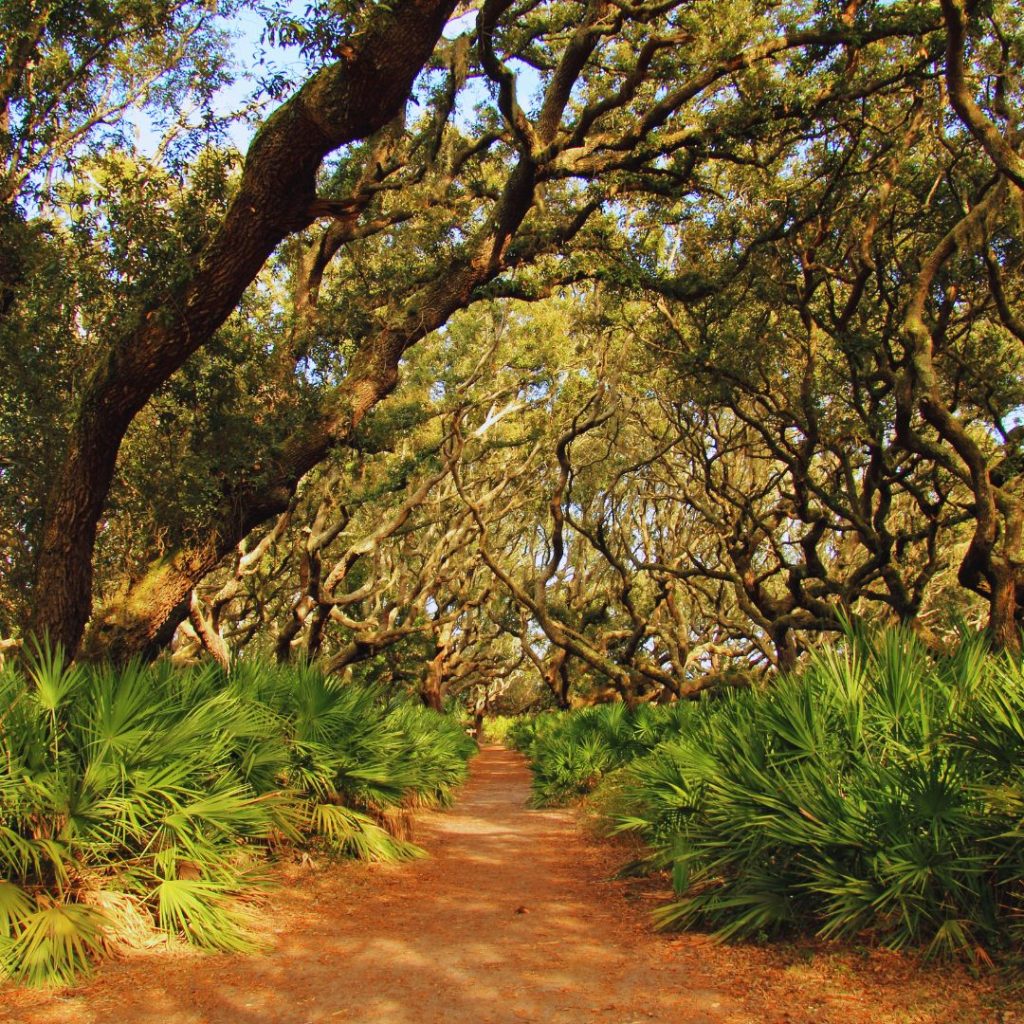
(146, 794)
(877, 793)
(572, 752)
(522, 732)
(496, 728)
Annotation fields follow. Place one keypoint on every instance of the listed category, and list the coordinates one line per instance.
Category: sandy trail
(510, 919)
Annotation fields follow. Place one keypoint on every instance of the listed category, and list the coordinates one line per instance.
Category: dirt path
(511, 919)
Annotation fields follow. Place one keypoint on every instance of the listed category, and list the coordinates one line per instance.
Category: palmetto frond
(878, 791)
(170, 787)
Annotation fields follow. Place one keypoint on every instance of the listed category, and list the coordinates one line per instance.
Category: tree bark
(430, 692)
(1002, 621)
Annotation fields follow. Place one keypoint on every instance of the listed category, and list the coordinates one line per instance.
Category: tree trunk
(431, 689)
(213, 643)
(277, 196)
(1003, 627)
(785, 648)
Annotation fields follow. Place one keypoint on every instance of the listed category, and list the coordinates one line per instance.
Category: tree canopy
(629, 347)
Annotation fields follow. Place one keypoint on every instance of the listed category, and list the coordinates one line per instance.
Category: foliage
(690, 179)
(499, 728)
(149, 793)
(598, 352)
(525, 729)
(572, 753)
(875, 793)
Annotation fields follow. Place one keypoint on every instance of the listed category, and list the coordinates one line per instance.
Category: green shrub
(523, 731)
(878, 793)
(572, 752)
(154, 795)
(496, 728)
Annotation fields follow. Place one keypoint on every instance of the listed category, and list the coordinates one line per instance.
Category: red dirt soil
(511, 919)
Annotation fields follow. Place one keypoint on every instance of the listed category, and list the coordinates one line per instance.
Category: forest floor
(511, 918)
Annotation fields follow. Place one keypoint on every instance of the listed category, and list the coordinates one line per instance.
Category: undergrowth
(570, 753)
(149, 797)
(878, 794)
(496, 728)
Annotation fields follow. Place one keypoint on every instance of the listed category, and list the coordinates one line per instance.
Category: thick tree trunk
(430, 691)
(556, 676)
(344, 102)
(987, 574)
(1003, 627)
(784, 641)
